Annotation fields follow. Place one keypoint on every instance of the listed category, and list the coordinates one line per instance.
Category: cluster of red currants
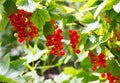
(74, 40)
(55, 41)
(110, 78)
(26, 30)
(98, 61)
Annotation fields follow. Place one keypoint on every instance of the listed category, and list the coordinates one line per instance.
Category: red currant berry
(103, 75)
(52, 21)
(94, 68)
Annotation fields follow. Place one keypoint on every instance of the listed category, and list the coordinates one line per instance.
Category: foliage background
(32, 63)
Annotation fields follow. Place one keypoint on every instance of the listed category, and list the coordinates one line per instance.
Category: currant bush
(86, 48)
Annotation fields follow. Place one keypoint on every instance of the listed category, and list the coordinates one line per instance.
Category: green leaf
(105, 37)
(17, 65)
(84, 38)
(110, 4)
(1, 9)
(54, 11)
(5, 79)
(67, 59)
(69, 18)
(88, 18)
(88, 4)
(90, 43)
(92, 26)
(86, 63)
(75, 80)
(55, 16)
(44, 57)
(117, 7)
(48, 29)
(22, 2)
(15, 76)
(112, 25)
(103, 29)
(3, 21)
(115, 52)
(40, 17)
(15, 70)
(30, 57)
(89, 78)
(61, 77)
(70, 71)
(10, 7)
(10, 74)
(28, 5)
(31, 49)
(3, 18)
(100, 7)
(36, 0)
(66, 9)
(111, 13)
(4, 64)
(33, 75)
(117, 18)
(113, 67)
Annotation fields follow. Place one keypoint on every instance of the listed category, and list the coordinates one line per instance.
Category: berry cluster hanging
(74, 40)
(97, 61)
(26, 30)
(55, 41)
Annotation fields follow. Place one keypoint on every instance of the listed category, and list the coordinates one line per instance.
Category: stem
(29, 67)
(116, 57)
(77, 22)
(33, 64)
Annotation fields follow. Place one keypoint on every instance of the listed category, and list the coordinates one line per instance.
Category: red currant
(21, 23)
(74, 40)
(55, 41)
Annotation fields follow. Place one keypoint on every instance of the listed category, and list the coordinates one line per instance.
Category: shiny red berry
(52, 21)
(94, 68)
(103, 75)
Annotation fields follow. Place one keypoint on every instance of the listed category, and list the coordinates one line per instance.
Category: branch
(77, 22)
(116, 57)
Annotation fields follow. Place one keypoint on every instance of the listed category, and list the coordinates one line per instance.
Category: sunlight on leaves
(92, 26)
(117, 7)
(28, 5)
(30, 57)
(88, 4)
(100, 7)
(76, 80)
(62, 77)
(4, 64)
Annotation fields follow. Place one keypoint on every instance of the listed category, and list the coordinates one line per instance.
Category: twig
(77, 22)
